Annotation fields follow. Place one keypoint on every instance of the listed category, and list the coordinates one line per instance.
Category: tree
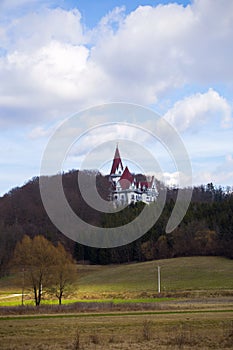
(148, 250)
(8, 241)
(36, 256)
(64, 272)
(163, 251)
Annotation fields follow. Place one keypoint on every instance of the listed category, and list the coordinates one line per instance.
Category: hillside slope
(180, 274)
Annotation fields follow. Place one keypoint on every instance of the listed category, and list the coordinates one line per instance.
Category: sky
(60, 57)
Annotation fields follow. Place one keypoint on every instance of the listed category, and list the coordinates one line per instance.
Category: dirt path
(11, 296)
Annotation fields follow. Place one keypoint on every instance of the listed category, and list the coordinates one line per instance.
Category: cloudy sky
(59, 57)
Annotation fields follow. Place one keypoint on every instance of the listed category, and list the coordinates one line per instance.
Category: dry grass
(77, 345)
(139, 332)
(147, 330)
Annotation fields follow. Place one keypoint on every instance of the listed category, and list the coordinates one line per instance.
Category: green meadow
(135, 282)
(180, 274)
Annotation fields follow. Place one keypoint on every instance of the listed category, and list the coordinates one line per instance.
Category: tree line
(207, 228)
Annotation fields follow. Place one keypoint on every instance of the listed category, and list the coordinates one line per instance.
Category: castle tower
(117, 167)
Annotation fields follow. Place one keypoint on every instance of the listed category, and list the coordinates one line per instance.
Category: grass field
(138, 281)
(119, 331)
(180, 274)
(194, 310)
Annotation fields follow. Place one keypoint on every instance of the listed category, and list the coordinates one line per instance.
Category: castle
(127, 188)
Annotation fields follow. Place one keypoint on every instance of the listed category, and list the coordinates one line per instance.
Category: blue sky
(92, 13)
(59, 57)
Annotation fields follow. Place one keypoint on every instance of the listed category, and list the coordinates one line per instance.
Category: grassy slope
(140, 279)
(192, 273)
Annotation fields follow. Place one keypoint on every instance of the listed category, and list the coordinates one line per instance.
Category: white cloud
(110, 23)
(39, 132)
(195, 111)
(216, 169)
(53, 79)
(208, 42)
(44, 67)
(229, 159)
(162, 48)
(222, 178)
(141, 57)
(37, 29)
(53, 66)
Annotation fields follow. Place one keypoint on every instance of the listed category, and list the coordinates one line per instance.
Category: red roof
(116, 162)
(144, 184)
(126, 179)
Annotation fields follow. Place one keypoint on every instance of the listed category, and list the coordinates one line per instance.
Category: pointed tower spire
(117, 163)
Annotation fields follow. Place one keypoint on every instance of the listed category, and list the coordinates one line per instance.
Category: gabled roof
(145, 184)
(117, 163)
(126, 179)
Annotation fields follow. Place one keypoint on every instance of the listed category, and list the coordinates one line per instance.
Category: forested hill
(207, 228)
(22, 212)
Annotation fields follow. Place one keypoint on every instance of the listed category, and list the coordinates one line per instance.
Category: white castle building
(129, 188)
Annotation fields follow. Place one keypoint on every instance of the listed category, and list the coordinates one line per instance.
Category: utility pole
(159, 280)
(23, 286)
